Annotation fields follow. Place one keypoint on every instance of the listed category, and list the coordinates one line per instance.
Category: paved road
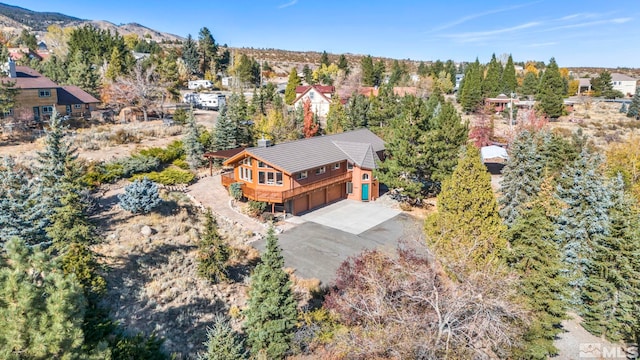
(316, 251)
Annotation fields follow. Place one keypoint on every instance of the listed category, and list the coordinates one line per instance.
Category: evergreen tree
(602, 84)
(612, 287)
(382, 108)
(308, 74)
(290, 91)
(191, 141)
(207, 51)
(584, 221)
(336, 118)
(222, 342)
(55, 69)
(470, 95)
(224, 131)
(634, 107)
(550, 91)
(116, 67)
(140, 197)
(521, 177)
(397, 73)
(82, 74)
(509, 80)
(623, 108)
(237, 111)
(378, 73)
(8, 93)
(535, 256)
(529, 84)
(22, 213)
(213, 253)
(324, 59)
(271, 309)
(368, 73)
(491, 84)
(41, 310)
(190, 55)
(343, 64)
(357, 112)
(466, 233)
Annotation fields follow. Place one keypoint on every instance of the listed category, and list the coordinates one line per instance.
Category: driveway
(316, 250)
(354, 217)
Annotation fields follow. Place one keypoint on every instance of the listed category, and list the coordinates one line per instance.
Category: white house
(320, 97)
(623, 83)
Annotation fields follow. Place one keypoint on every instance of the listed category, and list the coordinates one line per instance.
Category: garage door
(335, 192)
(317, 199)
(300, 205)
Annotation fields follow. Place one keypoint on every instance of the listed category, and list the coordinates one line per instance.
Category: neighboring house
(623, 83)
(19, 52)
(319, 95)
(397, 90)
(301, 175)
(38, 96)
(584, 85)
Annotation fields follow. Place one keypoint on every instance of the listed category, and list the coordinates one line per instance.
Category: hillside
(13, 19)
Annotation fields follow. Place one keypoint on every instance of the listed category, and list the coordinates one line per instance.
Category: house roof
(71, 94)
(27, 78)
(359, 146)
(584, 82)
(493, 152)
(621, 77)
(322, 89)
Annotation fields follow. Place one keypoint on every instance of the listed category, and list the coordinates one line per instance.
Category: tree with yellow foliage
(624, 158)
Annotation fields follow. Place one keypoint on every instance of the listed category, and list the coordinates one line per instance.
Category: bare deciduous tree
(141, 89)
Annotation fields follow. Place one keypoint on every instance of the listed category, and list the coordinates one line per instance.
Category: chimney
(263, 143)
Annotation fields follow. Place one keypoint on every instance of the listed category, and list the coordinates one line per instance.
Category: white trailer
(210, 101)
(200, 84)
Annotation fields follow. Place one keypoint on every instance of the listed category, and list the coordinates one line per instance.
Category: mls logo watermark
(600, 351)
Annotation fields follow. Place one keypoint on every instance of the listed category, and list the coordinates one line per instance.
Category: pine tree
(366, 67)
(343, 64)
(82, 74)
(634, 107)
(550, 91)
(470, 96)
(237, 111)
(535, 255)
(222, 342)
(491, 84)
(357, 112)
(22, 213)
(116, 66)
(584, 221)
(213, 253)
(190, 55)
(192, 146)
(207, 50)
(324, 59)
(612, 287)
(290, 91)
(140, 197)
(509, 80)
(271, 309)
(308, 74)
(41, 310)
(224, 131)
(623, 108)
(467, 233)
(336, 118)
(521, 177)
(529, 84)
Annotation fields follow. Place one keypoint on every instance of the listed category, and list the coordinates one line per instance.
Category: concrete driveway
(351, 216)
(316, 250)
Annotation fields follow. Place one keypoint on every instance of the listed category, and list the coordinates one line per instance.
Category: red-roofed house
(319, 95)
(38, 96)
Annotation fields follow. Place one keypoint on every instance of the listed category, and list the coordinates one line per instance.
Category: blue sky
(576, 33)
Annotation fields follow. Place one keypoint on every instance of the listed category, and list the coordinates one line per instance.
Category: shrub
(257, 207)
(235, 190)
(123, 136)
(137, 164)
(181, 163)
(166, 155)
(180, 116)
(168, 176)
(141, 196)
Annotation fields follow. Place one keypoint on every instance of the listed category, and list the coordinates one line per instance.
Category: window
(365, 177)
(311, 95)
(336, 166)
(246, 174)
(349, 187)
(349, 166)
(77, 106)
(301, 175)
(246, 161)
(321, 170)
(269, 178)
(263, 165)
(47, 109)
(44, 93)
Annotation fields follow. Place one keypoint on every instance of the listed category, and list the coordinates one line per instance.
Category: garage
(334, 192)
(316, 199)
(300, 204)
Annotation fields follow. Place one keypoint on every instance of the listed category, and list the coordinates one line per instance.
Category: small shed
(494, 158)
(221, 155)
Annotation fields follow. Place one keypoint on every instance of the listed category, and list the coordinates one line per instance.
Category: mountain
(13, 19)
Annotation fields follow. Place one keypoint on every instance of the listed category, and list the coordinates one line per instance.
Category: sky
(594, 33)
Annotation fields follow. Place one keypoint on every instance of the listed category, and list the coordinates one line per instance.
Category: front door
(365, 192)
(36, 113)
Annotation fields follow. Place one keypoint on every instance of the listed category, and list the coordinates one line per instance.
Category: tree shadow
(238, 273)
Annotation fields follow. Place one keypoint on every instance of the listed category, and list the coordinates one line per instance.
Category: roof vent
(11, 71)
(263, 143)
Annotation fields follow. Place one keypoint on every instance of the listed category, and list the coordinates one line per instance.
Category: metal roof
(358, 146)
(71, 95)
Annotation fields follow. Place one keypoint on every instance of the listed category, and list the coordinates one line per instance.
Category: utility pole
(511, 111)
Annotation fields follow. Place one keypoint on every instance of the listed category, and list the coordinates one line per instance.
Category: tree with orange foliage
(310, 128)
(482, 131)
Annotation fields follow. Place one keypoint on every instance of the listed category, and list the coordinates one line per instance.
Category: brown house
(305, 174)
(37, 96)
